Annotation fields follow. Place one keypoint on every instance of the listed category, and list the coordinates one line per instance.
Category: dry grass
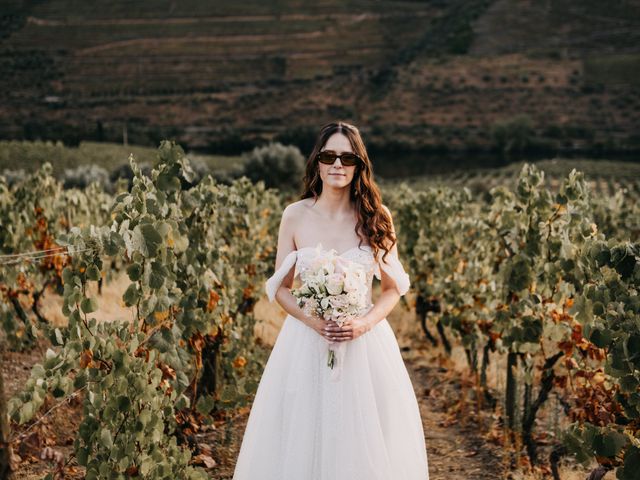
(110, 304)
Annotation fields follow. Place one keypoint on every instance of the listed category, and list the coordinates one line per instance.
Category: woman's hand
(318, 324)
(350, 330)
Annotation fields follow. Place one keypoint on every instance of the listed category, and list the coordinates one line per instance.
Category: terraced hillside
(415, 74)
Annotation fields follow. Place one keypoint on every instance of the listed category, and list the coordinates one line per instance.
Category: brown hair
(373, 221)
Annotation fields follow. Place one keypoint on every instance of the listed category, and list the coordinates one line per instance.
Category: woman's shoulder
(297, 208)
(386, 211)
(293, 212)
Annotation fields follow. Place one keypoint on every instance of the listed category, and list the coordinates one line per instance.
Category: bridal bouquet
(332, 288)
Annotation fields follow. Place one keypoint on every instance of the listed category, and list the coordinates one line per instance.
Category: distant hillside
(559, 28)
(222, 76)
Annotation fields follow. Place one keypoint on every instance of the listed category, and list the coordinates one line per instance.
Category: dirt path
(454, 450)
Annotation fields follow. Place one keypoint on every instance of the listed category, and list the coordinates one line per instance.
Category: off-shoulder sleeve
(392, 267)
(273, 283)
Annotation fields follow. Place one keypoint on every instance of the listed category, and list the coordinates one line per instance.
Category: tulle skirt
(309, 423)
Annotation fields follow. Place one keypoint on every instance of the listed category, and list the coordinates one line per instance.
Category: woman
(360, 420)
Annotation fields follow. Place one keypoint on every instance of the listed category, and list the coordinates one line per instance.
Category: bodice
(363, 255)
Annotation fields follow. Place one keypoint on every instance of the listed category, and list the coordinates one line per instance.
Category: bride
(359, 420)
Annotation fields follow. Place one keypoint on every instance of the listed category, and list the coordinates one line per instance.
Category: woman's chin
(337, 182)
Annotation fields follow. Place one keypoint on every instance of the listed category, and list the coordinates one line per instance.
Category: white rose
(335, 284)
(338, 301)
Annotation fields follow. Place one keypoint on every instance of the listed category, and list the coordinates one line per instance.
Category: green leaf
(80, 380)
(608, 444)
(167, 181)
(58, 392)
(89, 305)
(82, 456)
(600, 338)
(26, 412)
(146, 465)
(158, 274)
(134, 271)
(105, 470)
(112, 246)
(631, 464)
(152, 238)
(228, 394)
(629, 384)
(93, 273)
(148, 304)
(124, 403)
(205, 404)
(144, 417)
(67, 275)
(532, 329)
(131, 295)
(182, 402)
(251, 386)
(59, 338)
(106, 439)
(598, 308)
(187, 172)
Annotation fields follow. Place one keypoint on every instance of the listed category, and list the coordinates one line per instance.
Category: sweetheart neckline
(338, 254)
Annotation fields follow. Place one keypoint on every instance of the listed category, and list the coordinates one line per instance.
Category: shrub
(513, 135)
(13, 176)
(84, 175)
(279, 166)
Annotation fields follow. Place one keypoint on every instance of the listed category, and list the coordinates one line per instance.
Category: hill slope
(471, 74)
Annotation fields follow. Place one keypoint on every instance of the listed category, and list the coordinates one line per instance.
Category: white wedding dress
(359, 421)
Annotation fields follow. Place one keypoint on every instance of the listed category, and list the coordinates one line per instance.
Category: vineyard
(537, 279)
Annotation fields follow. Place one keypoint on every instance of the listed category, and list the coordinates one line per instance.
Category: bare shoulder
(293, 212)
(387, 211)
(295, 209)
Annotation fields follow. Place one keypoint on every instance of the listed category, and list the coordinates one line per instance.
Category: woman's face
(337, 175)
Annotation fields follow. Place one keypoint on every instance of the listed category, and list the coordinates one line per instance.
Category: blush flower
(332, 288)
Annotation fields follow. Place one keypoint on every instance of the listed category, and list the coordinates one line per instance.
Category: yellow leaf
(239, 362)
(214, 331)
(160, 316)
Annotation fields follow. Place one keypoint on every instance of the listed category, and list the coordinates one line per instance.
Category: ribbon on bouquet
(340, 349)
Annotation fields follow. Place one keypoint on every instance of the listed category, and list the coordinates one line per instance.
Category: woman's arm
(390, 294)
(286, 245)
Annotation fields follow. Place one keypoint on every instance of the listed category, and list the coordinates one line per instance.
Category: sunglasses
(348, 159)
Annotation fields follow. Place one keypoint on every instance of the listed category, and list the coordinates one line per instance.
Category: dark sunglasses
(348, 159)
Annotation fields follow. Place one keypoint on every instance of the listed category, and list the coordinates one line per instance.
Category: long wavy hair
(373, 222)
